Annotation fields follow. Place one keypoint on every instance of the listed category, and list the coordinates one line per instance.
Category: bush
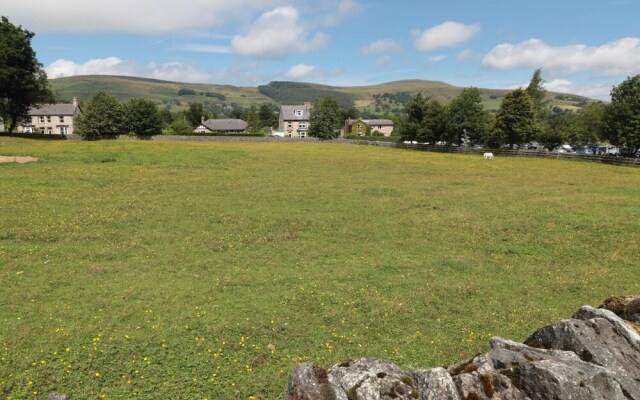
(186, 92)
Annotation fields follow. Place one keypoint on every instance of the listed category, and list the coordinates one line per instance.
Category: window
(48, 118)
(42, 130)
(41, 120)
(63, 130)
(303, 134)
(289, 125)
(302, 125)
(298, 113)
(61, 118)
(49, 131)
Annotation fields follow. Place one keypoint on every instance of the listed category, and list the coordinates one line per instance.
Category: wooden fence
(606, 159)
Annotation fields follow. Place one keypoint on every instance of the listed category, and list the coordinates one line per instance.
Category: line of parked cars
(583, 149)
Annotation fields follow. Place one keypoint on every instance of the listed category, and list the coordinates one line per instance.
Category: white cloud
(174, 71)
(447, 34)
(381, 46)
(467, 54)
(383, 61)
(337, 10)
(142, 17)
(595, 91)
(205, 48)
(276, 34)
(301, 71)
(617, 58)
(101, 66)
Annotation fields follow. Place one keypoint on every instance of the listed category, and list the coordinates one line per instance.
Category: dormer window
(298, 113)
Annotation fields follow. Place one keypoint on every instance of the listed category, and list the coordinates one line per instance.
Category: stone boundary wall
(594, 355)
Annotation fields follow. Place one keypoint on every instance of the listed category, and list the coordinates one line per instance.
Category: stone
(372, 379)
(553, 374)
(435, 384)
(601, 340)
(57, 396)
(594, 355)
(310, 382)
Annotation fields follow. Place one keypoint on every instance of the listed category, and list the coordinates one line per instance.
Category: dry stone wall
(593, 355)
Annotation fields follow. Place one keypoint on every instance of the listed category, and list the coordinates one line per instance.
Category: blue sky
(583, 47)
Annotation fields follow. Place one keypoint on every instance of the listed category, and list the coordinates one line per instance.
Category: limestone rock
(553, 374)
(435, 384)
(603, 341)
(310, 382)
(595, 355)
(372, 379)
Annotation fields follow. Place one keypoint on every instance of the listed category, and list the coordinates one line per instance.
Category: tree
(537, 92)
(253, 120)
(195, 114)
(268, 116)
(411, 127)
(557, 131)
(180, 126)
(434, 123)
(515, 121)
(590, 122)
(103, 116)
(325, 118)
(350, 113)
(425, 121)
(622, 116)
(142, 117)
(23, 82)
(465, 117)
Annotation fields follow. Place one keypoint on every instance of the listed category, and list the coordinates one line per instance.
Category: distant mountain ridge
(380, 98)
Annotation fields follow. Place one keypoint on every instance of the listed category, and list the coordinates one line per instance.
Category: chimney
(75, 102)
(307, 104)
(202, 119)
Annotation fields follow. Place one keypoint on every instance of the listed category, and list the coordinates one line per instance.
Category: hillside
(163, 92)
(382, 98)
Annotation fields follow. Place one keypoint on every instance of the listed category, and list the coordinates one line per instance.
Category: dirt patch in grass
(16, 159)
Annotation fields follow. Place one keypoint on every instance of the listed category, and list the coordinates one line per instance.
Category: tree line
(104, 116)
(525, 116)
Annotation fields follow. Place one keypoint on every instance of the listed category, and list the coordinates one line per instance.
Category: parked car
(584, 151)
(563, 149)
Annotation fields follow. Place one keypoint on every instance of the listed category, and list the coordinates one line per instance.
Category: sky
(583, 47)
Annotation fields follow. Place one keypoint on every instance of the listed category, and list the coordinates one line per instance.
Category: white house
(52, 119)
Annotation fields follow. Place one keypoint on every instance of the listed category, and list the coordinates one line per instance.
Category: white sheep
(488, 156)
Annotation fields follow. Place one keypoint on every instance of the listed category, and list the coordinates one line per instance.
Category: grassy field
(207, 271)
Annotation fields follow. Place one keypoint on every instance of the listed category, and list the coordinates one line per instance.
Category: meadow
(148, 270)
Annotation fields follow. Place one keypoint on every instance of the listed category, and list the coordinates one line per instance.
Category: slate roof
(289, 112)
(381, 122)
(53, 109)
(225, 125)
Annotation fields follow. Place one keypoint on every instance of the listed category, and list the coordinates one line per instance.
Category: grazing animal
(488, 156)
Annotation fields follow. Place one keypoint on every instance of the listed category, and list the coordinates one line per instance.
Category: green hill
(382, 98)
(176, 94)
